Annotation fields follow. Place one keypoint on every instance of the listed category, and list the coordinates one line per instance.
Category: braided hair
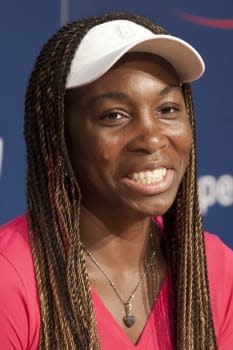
(53, 200)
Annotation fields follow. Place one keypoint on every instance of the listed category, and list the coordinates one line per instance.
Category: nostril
(148, 143)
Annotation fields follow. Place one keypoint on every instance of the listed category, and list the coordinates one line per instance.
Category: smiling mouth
(148, 177)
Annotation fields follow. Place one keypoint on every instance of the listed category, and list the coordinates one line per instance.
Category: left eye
(168, 110)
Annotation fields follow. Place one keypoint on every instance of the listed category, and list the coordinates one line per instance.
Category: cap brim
(187, 62)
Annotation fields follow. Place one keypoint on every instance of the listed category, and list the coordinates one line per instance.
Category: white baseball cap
(106, 43)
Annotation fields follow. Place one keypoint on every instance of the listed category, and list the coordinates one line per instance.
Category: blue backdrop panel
(208, 25)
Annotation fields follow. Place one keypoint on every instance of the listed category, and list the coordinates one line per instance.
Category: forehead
(147, 63)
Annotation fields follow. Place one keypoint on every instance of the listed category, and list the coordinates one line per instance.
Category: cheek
(187, 137)
(105, 156)
(184, 144)
(183, 132)
(102, 149)
(92, 152)
(181, 137)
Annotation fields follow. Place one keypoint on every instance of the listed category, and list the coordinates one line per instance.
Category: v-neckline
(142, 339)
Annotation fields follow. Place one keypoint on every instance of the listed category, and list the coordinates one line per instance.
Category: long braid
(194, 323)
(53, 202)
(53, 199)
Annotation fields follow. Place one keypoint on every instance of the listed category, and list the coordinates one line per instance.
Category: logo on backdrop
(206, 21)
(1, 154)
(215, 190)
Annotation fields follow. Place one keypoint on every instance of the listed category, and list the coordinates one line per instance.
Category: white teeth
(138, 176)
(149, 177)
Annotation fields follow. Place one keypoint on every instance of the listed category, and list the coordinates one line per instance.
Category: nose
(148, 135)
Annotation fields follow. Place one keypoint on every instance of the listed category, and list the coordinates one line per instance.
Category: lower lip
(151, 189)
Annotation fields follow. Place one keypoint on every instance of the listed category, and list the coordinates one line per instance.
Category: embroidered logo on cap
(124, 31)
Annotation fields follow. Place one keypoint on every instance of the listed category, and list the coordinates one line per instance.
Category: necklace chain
(129, 319)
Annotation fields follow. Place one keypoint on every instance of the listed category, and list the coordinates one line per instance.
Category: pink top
(153, 337)
(19, 306)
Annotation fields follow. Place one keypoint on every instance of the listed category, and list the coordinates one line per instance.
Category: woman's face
(129, 137)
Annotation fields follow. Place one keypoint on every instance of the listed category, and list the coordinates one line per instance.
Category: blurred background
(208, 25)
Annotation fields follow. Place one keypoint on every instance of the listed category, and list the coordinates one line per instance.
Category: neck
(118, 241)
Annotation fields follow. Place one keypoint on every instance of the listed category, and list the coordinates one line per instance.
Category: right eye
(113, 117)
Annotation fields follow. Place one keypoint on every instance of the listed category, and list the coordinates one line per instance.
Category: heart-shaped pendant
(129, 320)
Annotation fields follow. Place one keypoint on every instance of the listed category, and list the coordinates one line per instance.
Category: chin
(152, 208)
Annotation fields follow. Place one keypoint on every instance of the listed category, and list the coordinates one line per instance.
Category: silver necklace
(129, 319)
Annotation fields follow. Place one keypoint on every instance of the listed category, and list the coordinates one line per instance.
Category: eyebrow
(112, 95)
(121, 96)
(167, 89)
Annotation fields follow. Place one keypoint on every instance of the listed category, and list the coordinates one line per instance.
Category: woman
(116, 239)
